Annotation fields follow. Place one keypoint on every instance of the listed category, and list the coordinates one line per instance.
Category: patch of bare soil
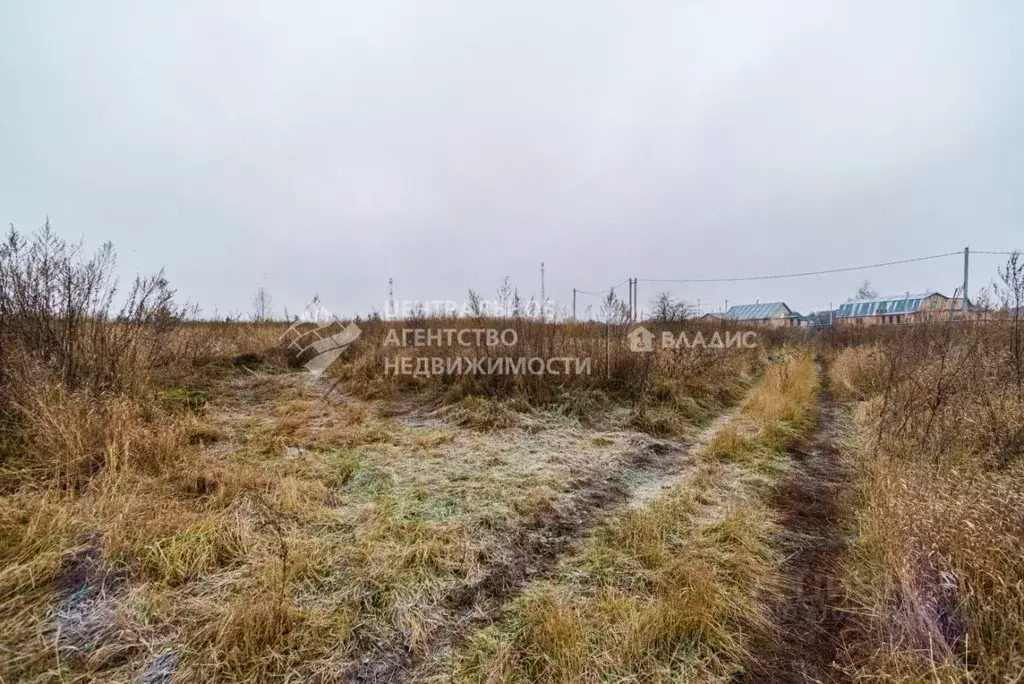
(810, 503)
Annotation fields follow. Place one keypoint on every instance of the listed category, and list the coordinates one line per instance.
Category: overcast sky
(324, 147)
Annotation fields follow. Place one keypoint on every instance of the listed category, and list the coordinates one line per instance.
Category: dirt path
(808, 500)
(536, 550)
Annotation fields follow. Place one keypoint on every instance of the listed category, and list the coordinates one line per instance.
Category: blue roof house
(775, 314)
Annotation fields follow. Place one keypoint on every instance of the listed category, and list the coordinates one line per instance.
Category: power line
(796, 275)
(602, 293)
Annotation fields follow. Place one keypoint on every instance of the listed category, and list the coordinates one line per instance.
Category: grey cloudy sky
(323, 147)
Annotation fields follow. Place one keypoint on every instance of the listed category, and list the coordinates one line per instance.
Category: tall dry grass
(667, 389)
(781, 411)
(126, 544)
(939, 456)
(89, 379)
(99, 474)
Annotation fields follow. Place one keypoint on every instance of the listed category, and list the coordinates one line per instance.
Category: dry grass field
(936, 579)
(249, 524)
(182, 501)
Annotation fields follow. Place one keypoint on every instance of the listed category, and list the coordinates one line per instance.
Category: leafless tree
(517, 304)
(316, 312)
(666, 309)
(614, 310)
(505, 294)
(866, 291)
(476, 307)
(262, 306)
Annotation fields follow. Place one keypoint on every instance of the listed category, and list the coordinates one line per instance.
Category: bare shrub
(695, 381)
(58, 317)
(938, 451)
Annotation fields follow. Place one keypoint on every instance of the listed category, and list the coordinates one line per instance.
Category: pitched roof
(880, 306)
(957, 303)
(756, 312)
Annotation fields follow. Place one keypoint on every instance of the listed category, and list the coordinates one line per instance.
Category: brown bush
(695, 381)
(939, 454)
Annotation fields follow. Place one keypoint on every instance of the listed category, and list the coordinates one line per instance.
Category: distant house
(889, 310)
(821, 319)
(711, 317)
(774, 314)
(956, 305)
(798, 320)
(924, 307)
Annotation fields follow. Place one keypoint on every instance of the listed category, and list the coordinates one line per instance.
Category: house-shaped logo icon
(641, 340)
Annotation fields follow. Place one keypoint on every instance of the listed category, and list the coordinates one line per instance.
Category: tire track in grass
(811, 512)
(535, 551)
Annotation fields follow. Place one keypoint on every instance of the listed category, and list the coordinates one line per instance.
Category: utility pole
(629, 297)
(967, 258)
(391, 298)
(543, 298)
(632, 315)
(636, 299)
(574, 304)
(542, 295)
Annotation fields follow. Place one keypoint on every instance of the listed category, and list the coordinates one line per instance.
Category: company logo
(641, 340)
(320, 343)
